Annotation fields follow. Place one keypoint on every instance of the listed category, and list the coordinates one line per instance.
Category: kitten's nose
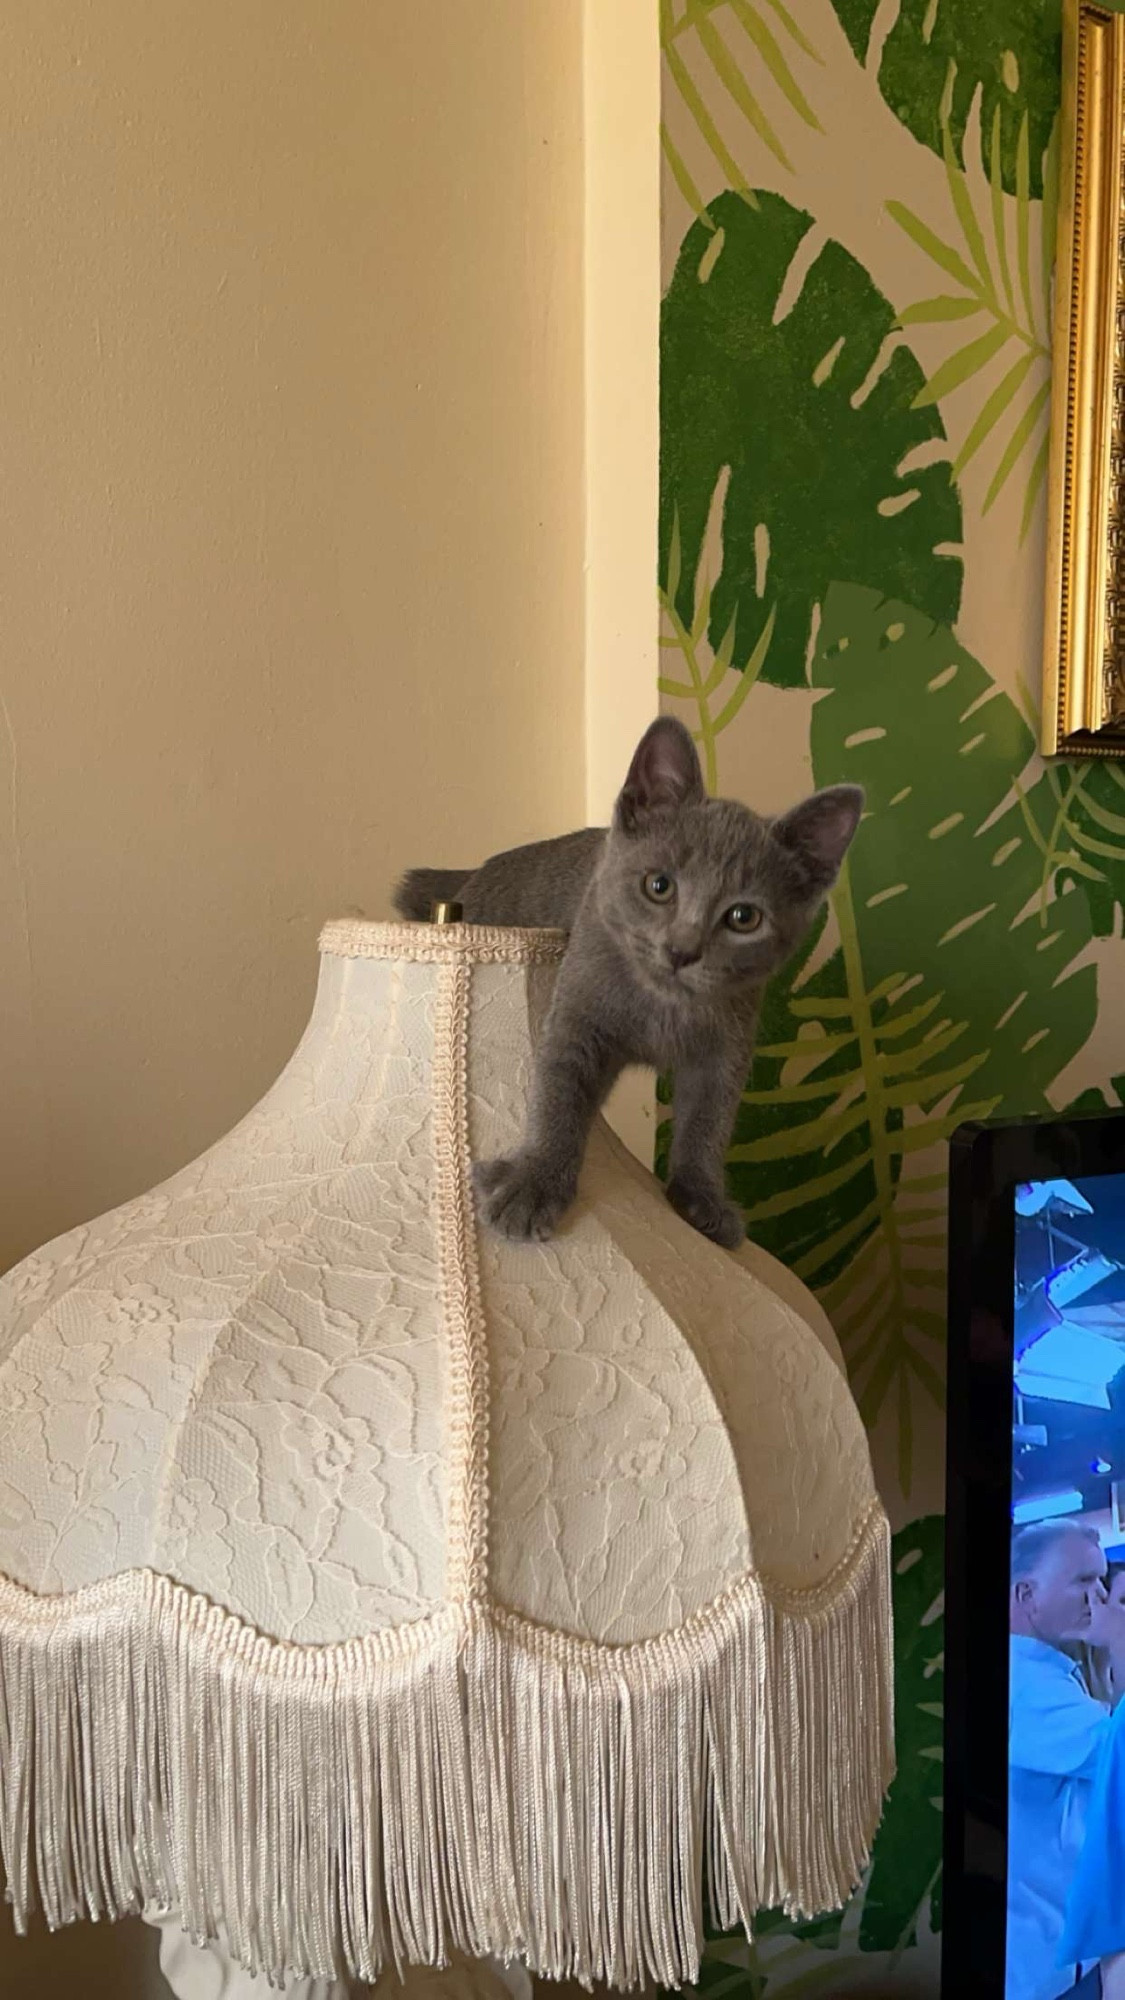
(679, 959)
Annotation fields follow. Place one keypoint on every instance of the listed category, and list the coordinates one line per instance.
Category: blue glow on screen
(1066, 1761)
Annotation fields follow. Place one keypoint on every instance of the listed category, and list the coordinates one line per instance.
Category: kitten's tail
(422, 887)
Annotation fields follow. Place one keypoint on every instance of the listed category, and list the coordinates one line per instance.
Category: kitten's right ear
(664, 773)
(819, 831)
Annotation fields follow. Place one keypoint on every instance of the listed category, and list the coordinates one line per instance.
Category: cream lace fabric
(372, 1590)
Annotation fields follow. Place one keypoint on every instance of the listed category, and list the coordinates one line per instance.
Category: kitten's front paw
(521, 1198)
(708, 1211)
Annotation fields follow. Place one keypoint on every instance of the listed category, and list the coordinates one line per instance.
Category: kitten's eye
(743, 918)
(658, 887)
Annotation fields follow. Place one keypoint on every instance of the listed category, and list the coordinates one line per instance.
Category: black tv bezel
(987, 1163)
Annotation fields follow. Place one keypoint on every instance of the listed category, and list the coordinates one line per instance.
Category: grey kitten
(678, 913)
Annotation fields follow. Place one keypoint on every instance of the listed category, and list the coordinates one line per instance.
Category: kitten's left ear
(664, 773)
(819, 830)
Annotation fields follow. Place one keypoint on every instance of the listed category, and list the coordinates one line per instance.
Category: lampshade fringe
(469, 1784)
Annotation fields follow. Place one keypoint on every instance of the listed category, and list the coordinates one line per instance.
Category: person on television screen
(1095, 1914)
(1103, 1659)
(1055, 1734)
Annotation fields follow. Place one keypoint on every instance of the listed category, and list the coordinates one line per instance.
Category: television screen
(1066, 1658)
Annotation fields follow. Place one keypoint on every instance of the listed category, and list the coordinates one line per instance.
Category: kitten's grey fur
(663, 983)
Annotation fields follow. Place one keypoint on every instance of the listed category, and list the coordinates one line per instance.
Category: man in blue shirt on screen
(1056, 1731)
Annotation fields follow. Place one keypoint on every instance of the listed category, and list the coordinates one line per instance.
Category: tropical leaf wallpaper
(859, 212)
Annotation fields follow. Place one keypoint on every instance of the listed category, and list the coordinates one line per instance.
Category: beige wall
(83, 1962)
(291, 528)
(621, 71)
(621, 88)
(328, 394)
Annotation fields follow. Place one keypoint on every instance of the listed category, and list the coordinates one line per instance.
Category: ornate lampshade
(375, 1589)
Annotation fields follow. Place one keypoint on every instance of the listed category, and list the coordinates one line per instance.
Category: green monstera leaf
(953, 991)
(942, 882)
(905, 1877)
(785, 404)
(1007, 50)
(1111, 1098)
(807, 1057)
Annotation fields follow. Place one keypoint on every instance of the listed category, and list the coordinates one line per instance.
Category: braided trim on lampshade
(467, 1426)
(441, 944)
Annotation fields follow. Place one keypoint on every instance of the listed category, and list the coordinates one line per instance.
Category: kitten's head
(705, 895)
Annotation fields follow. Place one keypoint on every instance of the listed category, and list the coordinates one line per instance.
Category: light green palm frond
(718, 680)
(732, 69)
(991, 268)
(1079, 828)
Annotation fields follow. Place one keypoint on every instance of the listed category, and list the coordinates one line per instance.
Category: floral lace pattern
(661, 1421)
(237, 1381)
(241, 1381)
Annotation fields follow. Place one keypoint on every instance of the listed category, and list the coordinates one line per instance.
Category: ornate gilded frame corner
(1084, 627)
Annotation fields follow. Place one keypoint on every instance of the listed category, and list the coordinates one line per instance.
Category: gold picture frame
(1084, 627)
